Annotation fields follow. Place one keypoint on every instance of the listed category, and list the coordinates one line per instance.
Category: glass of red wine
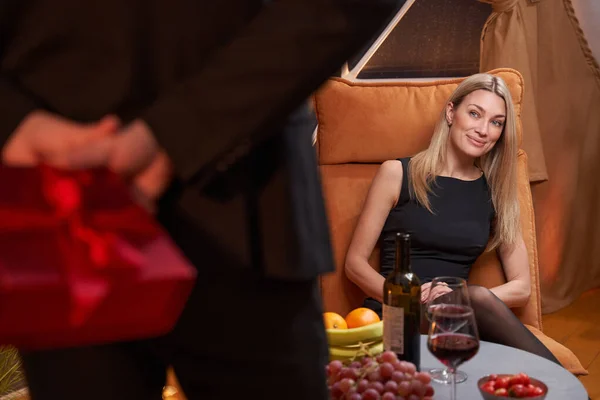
(453, 338)
(444, 290)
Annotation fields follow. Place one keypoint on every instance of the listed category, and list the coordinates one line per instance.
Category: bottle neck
(403, 254)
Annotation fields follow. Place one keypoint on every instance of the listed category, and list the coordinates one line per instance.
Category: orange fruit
(360, 317)
(334, 321)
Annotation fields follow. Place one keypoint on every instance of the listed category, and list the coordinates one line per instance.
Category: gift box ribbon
(90, 241)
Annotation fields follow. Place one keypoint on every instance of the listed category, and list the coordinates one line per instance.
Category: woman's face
(477, 123)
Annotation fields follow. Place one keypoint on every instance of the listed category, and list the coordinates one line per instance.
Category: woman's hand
(427, 294)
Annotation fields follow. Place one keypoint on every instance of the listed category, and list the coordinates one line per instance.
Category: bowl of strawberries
(511, 386)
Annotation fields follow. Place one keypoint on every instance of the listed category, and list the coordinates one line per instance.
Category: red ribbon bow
(89, 232)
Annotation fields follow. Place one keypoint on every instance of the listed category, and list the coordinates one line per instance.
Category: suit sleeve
(14, 107)
(14, 103)
(255, 81)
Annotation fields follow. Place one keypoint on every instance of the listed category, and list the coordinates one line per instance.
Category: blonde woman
(455, 198)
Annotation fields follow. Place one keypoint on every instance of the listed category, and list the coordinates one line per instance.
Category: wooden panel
(436, 38)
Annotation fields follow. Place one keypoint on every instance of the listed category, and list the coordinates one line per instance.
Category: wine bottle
(402, 306)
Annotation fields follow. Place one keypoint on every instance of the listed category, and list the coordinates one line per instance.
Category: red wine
(453, 349)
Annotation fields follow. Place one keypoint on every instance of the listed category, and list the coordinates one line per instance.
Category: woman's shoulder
(389, 176)
(392, 168)
(398, 163)
(393, 174)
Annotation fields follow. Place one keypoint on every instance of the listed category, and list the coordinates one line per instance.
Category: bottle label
(393, 329)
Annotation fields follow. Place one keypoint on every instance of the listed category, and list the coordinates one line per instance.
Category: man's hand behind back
(43, 137)
(134, 154)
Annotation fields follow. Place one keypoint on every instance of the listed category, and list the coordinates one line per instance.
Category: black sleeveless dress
(445, 243)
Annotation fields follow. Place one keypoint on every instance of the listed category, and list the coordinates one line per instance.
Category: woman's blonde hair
(498, 165)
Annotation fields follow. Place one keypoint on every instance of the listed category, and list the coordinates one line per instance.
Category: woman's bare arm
(382, 197)
(517, 290)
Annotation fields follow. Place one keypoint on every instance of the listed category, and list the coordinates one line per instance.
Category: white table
(497, 359)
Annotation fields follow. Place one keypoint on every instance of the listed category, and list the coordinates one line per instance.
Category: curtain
(542, 39)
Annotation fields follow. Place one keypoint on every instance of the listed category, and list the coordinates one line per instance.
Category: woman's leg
(498, 324)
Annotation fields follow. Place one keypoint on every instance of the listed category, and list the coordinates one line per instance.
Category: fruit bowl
(347, 344)
(511, 386)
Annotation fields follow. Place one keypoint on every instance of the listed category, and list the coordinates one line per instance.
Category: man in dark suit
(208, 100)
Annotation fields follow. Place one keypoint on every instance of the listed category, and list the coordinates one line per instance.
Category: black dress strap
(404, 191)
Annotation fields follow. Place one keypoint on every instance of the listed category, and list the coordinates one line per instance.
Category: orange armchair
(363, 124)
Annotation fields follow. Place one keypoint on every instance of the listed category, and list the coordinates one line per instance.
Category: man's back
(85, 59)
(221, 88)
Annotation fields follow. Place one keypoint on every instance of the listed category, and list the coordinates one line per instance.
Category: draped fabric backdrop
(561, 123)
(588, 14)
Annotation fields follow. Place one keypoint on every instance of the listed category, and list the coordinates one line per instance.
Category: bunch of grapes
(381, 378)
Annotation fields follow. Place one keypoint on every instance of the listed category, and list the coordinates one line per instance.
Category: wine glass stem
(452, 372)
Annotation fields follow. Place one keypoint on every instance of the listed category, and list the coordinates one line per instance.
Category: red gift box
(81, 263)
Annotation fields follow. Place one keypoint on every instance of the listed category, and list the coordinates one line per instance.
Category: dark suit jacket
(217, 82)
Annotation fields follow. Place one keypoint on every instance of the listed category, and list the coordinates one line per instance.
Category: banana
(349, 352)
(346, 337)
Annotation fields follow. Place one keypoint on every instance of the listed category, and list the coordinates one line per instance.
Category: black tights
(498, 324)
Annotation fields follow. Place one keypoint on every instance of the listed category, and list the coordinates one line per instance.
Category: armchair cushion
(400, 115)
